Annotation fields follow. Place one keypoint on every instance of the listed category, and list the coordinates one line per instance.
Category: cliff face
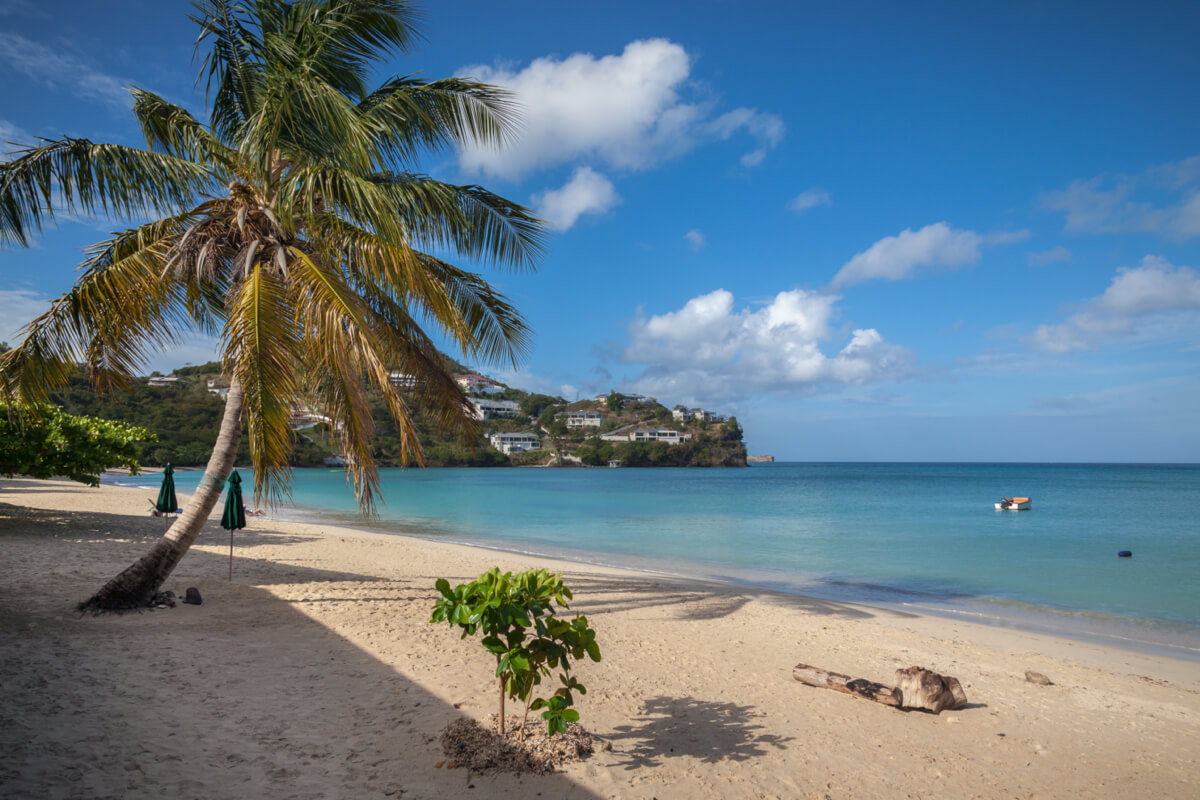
(761, 459)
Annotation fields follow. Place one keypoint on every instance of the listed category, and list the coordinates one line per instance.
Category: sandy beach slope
(315, 674)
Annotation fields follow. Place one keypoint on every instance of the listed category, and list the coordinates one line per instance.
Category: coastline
(316, 671)
(1127, 631)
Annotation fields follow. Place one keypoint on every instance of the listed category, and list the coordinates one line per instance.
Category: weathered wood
(918, 687)
(824, 679)
(922, 689)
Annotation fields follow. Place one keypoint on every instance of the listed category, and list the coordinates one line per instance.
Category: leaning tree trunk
(134, 587)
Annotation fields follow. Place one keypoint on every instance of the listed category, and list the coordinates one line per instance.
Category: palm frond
(118, 310)
(174, 130)
(68, 175)
(345, 347)
(262, 345)
(232, 32)
(481, 321)
(409, 115)
(468, 220)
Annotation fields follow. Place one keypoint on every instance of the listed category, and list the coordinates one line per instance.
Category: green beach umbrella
(167, 503)
(234, 516)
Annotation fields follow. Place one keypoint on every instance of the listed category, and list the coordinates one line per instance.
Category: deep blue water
(922, 535)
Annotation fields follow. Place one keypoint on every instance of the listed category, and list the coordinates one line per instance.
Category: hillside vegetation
(185, 417)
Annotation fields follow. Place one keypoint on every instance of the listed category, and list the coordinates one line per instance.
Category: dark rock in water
(192, 596)
(1125, 554)
(1038, 678)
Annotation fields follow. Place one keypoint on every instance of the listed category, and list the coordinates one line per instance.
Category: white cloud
(625, 110)
(57, 68)
(587, 192)
(1051, 256)
(10, 136)
(1133, 203)
(696, 240)
(1152, 300)
(894, 258)
(809, 199)
(18, 307)
(708, 351)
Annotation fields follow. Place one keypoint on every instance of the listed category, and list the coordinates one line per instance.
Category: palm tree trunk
(134, 587)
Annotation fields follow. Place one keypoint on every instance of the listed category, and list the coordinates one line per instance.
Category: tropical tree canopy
(290, 222)
(48, 443)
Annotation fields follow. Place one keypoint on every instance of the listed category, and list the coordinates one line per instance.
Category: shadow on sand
(671, 727)
(244, 696)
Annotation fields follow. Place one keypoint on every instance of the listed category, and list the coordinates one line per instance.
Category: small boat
(1014, 504)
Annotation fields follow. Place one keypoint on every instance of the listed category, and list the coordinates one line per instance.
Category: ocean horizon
(923, 536)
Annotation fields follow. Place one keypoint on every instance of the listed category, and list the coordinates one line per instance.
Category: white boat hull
(1014, 506)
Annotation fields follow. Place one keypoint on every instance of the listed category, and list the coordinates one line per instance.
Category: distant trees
(533, 405)
(184, 418)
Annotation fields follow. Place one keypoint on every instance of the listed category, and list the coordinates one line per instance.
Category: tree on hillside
(291, 225)
(534, 404)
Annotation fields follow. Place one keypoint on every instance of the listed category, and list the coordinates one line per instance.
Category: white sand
(316, 674)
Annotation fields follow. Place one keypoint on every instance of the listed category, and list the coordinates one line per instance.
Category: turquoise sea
(923, 536)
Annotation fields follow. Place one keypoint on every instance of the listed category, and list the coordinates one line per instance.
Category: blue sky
(921, 231)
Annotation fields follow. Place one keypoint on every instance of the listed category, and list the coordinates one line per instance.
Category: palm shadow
(673, 727)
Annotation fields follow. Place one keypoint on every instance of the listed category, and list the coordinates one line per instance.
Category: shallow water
(923, 535)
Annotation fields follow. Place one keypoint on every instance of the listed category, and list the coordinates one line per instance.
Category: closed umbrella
(234, 516)
(167, 504)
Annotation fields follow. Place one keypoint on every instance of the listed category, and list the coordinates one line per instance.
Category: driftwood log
(917, 688)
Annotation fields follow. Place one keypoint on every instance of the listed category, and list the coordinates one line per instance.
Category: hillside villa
(402, 380)
(485, 408)
(633, 433)
(680, 413)
(509, 443)
(478, 383)
(582, 419)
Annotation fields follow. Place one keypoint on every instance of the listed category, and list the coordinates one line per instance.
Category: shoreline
(1153, 637)
(317, 667)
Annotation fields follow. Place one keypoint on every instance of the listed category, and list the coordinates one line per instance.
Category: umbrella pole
(231, 556)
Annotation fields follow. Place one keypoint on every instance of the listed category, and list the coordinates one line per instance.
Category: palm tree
(292, 226)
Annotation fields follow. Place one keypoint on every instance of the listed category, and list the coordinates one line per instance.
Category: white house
(402, 380)
(583, 419)
(167, 380)
(514, 442)
(304, 418)
(697, 414)
(221, 390)
(631, 433)
(477, 383)
(665, 435)
(625, 398)
(485, 408)
(622, 434)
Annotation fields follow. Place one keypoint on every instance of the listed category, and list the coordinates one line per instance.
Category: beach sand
(316, 674)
